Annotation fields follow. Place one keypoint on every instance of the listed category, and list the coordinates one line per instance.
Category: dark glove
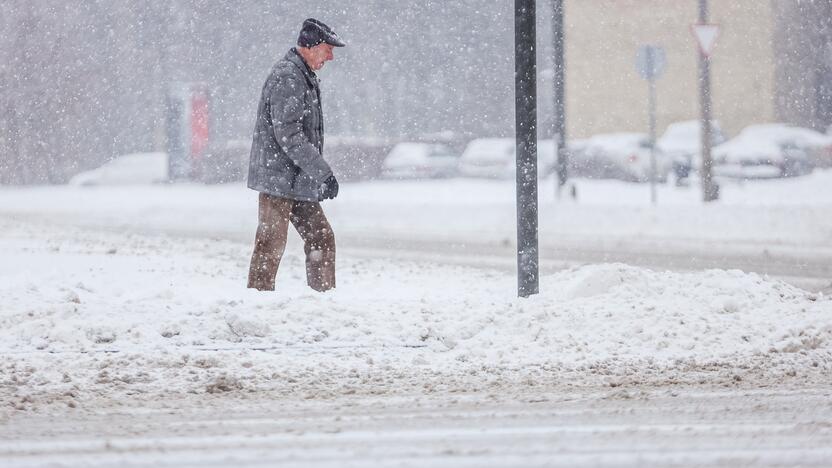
(329, 189)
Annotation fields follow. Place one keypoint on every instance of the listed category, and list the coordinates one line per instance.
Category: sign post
(650, 63)
(525, 97)
(559, 81)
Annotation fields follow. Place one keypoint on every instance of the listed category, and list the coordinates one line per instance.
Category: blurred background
(82, 83)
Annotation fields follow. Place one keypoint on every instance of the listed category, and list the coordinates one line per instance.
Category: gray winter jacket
(286, 152)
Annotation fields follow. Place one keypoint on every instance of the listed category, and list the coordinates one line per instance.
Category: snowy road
(668, 427)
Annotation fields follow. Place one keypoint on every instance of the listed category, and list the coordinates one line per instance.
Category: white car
(818, 146)
(495, 158)
(625, 156)
(769, 150)
(412, 160)
(137, 168)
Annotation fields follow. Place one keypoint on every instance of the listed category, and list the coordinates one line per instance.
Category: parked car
(138, 168)
(765, 151)
(495, 158)
(682, 143)
(818, 146)
(356, 157)
(624, 156)
(412, 160)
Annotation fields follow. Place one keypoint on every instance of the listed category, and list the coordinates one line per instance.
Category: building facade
(606, 94)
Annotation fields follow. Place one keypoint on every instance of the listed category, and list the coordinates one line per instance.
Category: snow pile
(632, 313)
(88, 314)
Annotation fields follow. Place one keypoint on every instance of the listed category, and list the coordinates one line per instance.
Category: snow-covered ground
(90, 313)
(123, 296)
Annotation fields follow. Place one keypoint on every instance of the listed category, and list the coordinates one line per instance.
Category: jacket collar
(294, 57)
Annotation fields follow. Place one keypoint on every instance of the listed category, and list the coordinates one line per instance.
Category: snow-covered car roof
(617, 141)
(407, 153)
(747, 145)
(782, 133)
(503, 150)
(766, 139)
(686, 129)
(686, 136)
(489, 149)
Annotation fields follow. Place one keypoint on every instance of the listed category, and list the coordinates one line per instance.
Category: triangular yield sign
(706, 37)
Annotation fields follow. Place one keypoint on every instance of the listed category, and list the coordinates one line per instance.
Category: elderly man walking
(287, 165)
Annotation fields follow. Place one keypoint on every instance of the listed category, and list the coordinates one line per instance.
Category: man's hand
(329, 189)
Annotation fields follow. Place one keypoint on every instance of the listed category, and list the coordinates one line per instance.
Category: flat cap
(314, 32)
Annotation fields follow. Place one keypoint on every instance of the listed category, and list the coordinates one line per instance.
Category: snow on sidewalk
(88, 314)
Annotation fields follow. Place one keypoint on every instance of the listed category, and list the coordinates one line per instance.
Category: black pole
(559, 82)
(710, 191)
(525, 97)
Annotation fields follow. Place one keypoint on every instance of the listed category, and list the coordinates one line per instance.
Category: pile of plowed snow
(88, 314)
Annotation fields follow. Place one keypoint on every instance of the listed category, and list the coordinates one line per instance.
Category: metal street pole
(710, 191)
(652, 105)
(559, 83)
(525, 97)
(650, 63)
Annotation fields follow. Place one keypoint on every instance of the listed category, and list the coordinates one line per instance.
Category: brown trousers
(274, 215)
